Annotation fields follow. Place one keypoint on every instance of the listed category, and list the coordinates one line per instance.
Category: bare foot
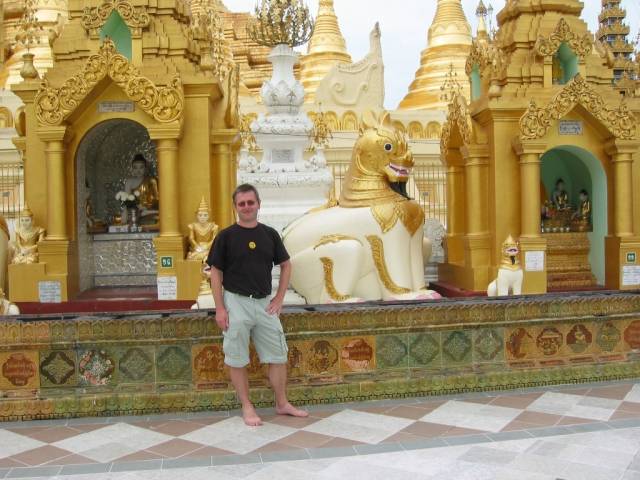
(250, 416)
(289, 409)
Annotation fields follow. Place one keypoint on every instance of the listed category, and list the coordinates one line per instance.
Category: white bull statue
(369, 246)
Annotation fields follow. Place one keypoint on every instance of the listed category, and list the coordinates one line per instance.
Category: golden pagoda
(614, 32)
(449, 42)
(327, 47)
(543, 151)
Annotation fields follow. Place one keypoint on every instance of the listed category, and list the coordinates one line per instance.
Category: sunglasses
(248, 203)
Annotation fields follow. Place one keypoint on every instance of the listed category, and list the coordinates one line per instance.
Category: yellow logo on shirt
(252, 245)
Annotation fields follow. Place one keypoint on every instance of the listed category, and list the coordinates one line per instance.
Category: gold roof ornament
(281, 22)
(30, 30)
(203, 207)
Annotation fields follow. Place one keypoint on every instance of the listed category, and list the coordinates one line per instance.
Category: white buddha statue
(201, 233)
(145, 188)
(27, 238)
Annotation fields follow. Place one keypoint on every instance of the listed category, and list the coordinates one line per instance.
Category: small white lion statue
(370, 245)
(510, 274)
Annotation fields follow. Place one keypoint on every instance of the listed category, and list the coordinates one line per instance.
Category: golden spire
(203, 207)
(326, 48)
(449, 44)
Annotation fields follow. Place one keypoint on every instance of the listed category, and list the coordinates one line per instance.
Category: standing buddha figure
(201, 233)
(27, 238)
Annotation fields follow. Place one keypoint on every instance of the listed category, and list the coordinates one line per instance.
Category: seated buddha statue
(27, 238)
(560, 197)
(201, 233)
(145, 187)
(583, 215)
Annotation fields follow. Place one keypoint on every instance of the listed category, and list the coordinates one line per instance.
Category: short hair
(559, 181)
(244, 188)
(138, 157)
(584, 192)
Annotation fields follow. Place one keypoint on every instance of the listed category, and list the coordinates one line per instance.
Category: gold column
(622, 159)
(223, 176)
(477, 240)
(529, 154)
(621, 243)
(56, 185)
(167, 156)
(455, 213)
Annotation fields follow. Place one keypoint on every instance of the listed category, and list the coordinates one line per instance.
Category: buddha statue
(560, 197)
(201, 233)
(583, 215)
(557, 71)
(27, 238)
(145, 188)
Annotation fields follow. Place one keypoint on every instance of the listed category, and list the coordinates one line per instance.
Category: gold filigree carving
(581, 46)
(327, 239)
(535, 122)
(377, 251)
(459, 117)
(409, 213)
(327, 266)
(206, 29)
(164, 103)
(136, 18)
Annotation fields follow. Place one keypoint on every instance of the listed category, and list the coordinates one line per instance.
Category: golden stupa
(326, 48)
(449, 43)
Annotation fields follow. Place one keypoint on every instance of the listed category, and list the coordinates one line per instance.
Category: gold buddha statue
(557, 71)
(201, 233)
(27, 238)
(6, 306)
(560, 197)
(582, 216)
(145, 188)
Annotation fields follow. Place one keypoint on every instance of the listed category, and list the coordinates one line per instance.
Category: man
(241, 260)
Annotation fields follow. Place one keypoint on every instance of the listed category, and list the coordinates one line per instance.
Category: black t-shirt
(245, 256)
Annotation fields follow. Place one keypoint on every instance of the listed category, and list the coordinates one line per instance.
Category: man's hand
(275, 306)
(222, 318)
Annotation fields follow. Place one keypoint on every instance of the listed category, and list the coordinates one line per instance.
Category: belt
(251, 295)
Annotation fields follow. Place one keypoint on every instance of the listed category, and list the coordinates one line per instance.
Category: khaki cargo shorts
(248, 318)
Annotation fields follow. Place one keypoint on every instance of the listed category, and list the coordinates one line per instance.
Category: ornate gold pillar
(532, 245)
(477, 239)
(167, 157)
(170, 246)
(622, 248)
(223, 176)
(56, 188)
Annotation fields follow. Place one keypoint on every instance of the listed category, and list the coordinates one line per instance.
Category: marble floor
(577, 432)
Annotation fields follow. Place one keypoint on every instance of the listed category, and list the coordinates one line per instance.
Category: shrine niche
(112, 173)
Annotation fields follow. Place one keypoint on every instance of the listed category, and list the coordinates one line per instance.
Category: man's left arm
(275, 306)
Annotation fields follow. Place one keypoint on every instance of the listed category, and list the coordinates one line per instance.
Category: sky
(404, 31)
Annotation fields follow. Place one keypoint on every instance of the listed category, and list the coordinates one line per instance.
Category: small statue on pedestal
(27, 238)
(6, 306)
(510, 274)
(201, 233)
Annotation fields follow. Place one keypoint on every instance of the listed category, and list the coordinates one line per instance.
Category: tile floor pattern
(593, 429)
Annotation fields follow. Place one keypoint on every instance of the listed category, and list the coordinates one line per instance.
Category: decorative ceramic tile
(135, 365)
(58, 368)
(320, 357)
(456, 348)
(580, 338)
(295, 360)
(96, 367)
(19, 370)
(520, 343)
(549, 342)
(424, 350)
(357, 354)
(632, 335)
(488, 345)
(608, 337)
(208, 363)
(173, 364)
(392, 351)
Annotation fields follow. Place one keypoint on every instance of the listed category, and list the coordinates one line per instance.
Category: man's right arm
(222, 317)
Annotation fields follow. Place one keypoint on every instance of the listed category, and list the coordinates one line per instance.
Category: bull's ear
(369, 120)
(385, 120)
